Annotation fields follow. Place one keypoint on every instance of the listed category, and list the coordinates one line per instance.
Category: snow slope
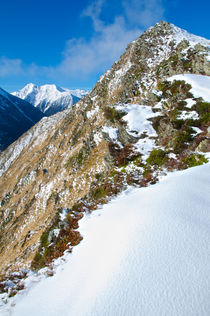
(50, 99)
(146, 253)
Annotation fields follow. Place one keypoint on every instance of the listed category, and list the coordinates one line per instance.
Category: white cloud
(143, 12)
(93, 11)
(16, 67)
(83, 58)
(10, 67)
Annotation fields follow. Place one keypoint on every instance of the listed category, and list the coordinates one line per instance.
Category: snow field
(145, 253)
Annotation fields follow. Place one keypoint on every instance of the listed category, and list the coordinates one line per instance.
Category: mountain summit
(49, 99)
(162, 51)
(146, 115)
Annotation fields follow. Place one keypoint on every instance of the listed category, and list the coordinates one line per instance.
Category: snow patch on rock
(200, 84)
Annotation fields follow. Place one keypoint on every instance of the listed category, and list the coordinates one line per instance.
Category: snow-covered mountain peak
(39, 92)
(30, 86)
(49, 98)
(180, 35)
(161, 51)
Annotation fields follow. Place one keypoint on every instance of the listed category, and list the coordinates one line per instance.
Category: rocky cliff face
(138, 122)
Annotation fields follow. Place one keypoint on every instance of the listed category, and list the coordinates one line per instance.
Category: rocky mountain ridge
(138, 122)
(49, 98)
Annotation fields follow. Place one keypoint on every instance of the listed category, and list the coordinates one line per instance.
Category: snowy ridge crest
(180, 35)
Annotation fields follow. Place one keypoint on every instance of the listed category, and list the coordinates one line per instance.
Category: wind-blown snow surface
(146, 253)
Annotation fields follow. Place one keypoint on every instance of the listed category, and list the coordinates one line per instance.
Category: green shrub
(99, 176)
(173, 114)
(177, 124)
(44, 239)
(78, 159)
(138, 162)
(187, 64)
(202, 107)
(191, 122)
(156, 122)
(147, 170)
(205, 118)
(99, 193)
(38, 261)
(182, 138)
(113, 173)
(123, 170)
(38, 257)
(112, 114)
(176, 88)
(163, 86)
(181, 105)
(173, 60)
(193, 160)
(157, 157)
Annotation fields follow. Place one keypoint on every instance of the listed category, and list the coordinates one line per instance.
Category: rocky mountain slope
(138, 122)
(140, 244)
(49, 99)
(16, 117)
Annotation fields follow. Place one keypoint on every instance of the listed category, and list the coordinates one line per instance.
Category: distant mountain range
(22, 109)
(49, 99)
(16, 117)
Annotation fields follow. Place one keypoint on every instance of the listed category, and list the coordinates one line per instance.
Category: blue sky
(72, 43)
